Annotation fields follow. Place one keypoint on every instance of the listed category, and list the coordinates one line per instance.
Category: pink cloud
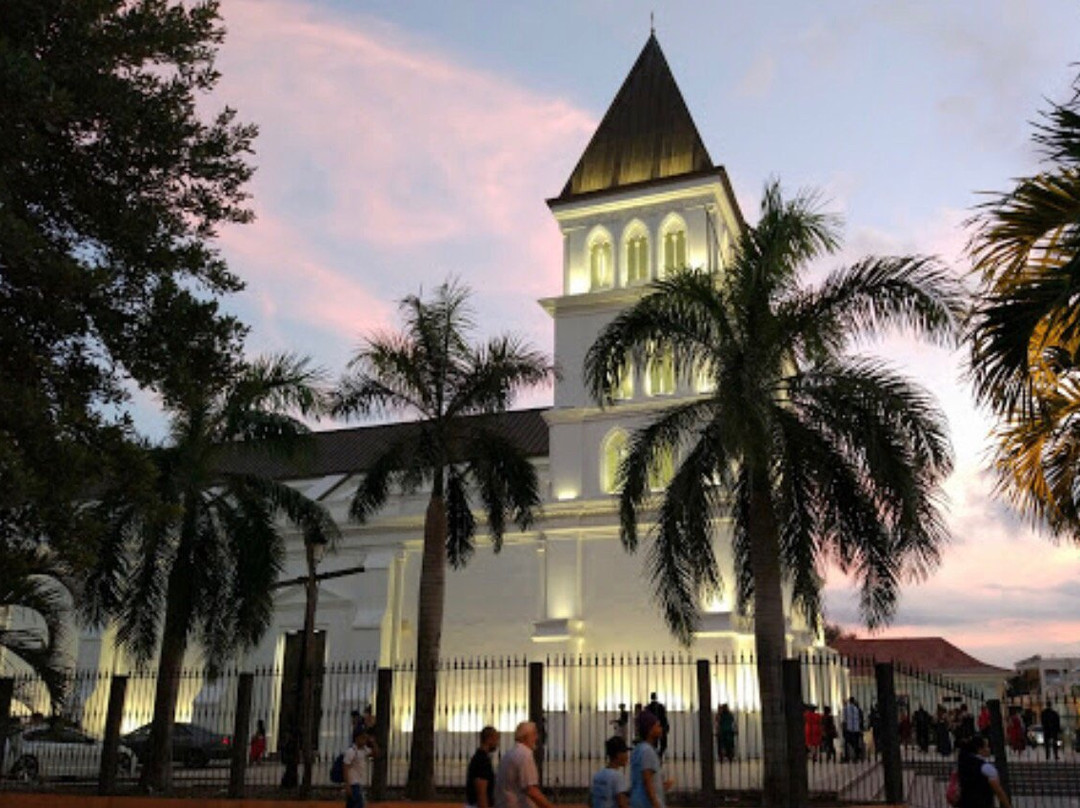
(384, 166)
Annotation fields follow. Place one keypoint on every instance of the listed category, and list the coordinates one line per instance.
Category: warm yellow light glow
(465, 721)
(509, 719)
(564, 494)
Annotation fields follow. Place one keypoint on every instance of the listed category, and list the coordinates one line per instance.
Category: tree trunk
(308, 664)
(157, 771)
(421, 782)
(770, 641)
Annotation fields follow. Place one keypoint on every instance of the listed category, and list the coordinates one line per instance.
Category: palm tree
(816, 456)
(1025, 330)
(193, 560)
(35, 596)
(431, 371)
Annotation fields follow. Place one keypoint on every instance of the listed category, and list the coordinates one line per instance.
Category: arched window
(704, 381)
(625, 389)
(673, 243)
(612, 454)
(601, 267)
(637, 253)
(661, 470)
(660, 375)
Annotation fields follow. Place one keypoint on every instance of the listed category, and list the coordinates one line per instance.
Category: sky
(404, 142)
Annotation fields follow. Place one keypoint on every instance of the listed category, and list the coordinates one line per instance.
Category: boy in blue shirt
(608, 785)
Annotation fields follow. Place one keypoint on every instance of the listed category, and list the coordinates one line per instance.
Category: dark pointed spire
(646, 134)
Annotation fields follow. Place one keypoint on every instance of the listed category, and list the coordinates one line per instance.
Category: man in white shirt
(355, 767)
(518, 782)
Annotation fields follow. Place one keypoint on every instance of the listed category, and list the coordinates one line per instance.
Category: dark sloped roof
(931, 654)
(346, 451)
(646, 134)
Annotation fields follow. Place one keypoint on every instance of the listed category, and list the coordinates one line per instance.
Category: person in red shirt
(813, 730)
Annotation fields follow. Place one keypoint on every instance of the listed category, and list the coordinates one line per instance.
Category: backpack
(337, 769)
(952, 790)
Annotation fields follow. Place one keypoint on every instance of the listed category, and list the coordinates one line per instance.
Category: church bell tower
(644, 200)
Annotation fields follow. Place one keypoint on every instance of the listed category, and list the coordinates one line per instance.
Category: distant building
(934, 656)
(1054, 676)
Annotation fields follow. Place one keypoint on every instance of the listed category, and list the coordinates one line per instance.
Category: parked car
(192, 745)
(55, 751)
(1035, 736)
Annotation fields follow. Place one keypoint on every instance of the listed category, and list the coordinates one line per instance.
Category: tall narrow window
(625, 389)
(704, 382)
(674, 250)
(660, 375)
(637, 256)
(612, 454)
(601, 271)
(661, 470)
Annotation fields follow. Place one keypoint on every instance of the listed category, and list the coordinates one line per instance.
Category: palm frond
(406, 462)
(506, 480)
(460, 522)
(496, 373)
(876, 295)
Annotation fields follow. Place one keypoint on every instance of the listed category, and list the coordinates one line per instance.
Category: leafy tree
(193, 559)
(1025, 330)
(35, 595)
(431, 371)
(816, 455)
(111, 185)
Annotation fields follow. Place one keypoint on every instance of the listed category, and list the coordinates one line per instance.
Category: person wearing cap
(647, 786)
(608, 785)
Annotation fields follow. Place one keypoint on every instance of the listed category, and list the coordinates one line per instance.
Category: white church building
(644, 199)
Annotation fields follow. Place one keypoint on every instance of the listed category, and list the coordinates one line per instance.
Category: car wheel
(196, 759)
(124, 765)
(25, 769)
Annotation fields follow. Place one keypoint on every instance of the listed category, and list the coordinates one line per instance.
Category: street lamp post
(314, 554)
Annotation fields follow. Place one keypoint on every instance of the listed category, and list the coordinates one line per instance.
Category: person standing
(829, 733)
(355, 767)
(1015, 732)
(725, 733)
(1051, 725)
(813, 731)
(608, 789)
(517, 782)
(852, 720)
(647, 786)
(622, 723)
(660, 711)
(979, 779)
(258, 743)
(941, 732)
(480, 774)
(923, 723)
(984, 719)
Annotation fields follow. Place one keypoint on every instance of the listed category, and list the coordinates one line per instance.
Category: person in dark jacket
(923, 723)
(660, 711)
(1051, 726)
(979, 781)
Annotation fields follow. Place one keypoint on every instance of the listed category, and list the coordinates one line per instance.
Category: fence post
(384, 692)
(997, 743)
(889, 733)
(705, 733)
(241, 731)
(7, 693)
(796, 732)
(110, 747)
(536, 713)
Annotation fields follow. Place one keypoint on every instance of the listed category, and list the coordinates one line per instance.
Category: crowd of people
(516, 782)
